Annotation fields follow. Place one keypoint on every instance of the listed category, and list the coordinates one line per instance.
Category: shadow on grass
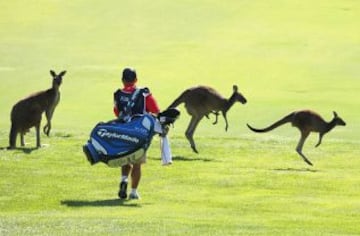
(182, 158)
(100, 203)
(296, 169)
(26, 150)
(63, 135)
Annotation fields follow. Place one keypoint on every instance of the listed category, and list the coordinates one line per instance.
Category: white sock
(124, 178)
(134, 191)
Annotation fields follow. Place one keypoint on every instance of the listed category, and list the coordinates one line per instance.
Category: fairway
(282, 55)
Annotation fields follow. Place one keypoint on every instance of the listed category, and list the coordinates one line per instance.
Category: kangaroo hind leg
(300, 145)
(22, 139)
(12, 136)
(190, 132)
(37, 130)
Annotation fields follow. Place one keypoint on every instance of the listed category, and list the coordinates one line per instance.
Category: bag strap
(130, 104)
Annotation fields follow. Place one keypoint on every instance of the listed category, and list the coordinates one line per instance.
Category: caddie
(130, 101)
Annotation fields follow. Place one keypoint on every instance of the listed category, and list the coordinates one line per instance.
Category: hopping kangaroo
(201, 101)
(27, 112)
(306, 121)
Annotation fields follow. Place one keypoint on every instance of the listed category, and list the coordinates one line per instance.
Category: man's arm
(151, 104)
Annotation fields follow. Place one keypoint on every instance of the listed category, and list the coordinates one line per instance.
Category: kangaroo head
(236, 96)
(57, 79)
(338, 120)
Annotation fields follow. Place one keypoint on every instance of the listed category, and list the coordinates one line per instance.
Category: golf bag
(116, 143)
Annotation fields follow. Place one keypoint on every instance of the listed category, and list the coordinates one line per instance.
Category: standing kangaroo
(306, 121)
(27, 113)
(201, 101)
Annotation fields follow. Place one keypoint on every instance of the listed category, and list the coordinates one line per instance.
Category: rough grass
(283, 56)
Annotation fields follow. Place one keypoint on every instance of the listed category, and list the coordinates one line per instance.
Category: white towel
(166, 156)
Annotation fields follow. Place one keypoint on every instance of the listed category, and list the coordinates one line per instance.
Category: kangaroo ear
(62, 73)
(235, 88)
(53, 74)
(335, 114)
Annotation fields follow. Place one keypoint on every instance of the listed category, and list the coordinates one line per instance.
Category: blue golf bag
(116, 143)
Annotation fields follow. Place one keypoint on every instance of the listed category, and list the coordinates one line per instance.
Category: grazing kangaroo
(201, 101)
(27, 112)
(306, 121)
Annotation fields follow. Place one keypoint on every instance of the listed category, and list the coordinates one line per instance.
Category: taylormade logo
(104, 133)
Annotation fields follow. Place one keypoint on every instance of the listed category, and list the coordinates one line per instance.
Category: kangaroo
(27, 113)
(306, 121)
(200, 101)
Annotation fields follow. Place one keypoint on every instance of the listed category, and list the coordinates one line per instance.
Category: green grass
(283, 55)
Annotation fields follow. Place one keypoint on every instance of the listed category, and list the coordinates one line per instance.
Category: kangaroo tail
(178, 101)
(284, 120)
(12, 136)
